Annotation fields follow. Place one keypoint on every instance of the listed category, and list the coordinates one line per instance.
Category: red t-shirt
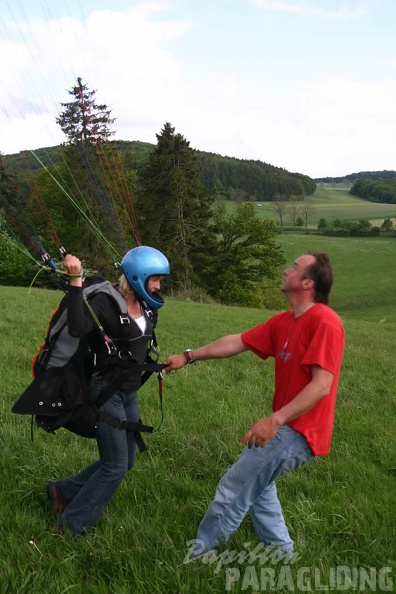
(314, 338)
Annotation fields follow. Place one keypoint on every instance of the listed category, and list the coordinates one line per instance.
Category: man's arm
(228, 346)
(265, 429)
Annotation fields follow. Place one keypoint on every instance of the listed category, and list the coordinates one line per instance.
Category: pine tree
(175, 208)
(83, 120)
(93, 173)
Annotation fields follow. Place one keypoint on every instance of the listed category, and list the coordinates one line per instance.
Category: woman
(82, 498)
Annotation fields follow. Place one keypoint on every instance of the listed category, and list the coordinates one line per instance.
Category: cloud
(322, 126)
(122, 55)
(311, 9)
(351, 124)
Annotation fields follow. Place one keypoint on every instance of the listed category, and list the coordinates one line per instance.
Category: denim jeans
(249, 485)
(85, 496)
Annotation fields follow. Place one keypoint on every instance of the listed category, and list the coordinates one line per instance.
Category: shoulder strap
(109, 289)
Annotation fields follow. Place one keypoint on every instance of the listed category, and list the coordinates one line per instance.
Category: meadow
(332, 201)
(340, 509)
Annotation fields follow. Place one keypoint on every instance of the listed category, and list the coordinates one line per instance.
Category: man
(307, 343)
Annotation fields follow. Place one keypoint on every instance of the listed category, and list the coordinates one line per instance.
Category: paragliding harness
(59, 394)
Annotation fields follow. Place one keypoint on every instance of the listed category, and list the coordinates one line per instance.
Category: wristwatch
(188, 356)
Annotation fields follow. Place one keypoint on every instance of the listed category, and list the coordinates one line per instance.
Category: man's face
(293, 280)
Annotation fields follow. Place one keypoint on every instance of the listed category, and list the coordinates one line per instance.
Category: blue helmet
(138, 265)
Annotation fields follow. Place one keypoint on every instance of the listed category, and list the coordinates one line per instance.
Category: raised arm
(78, 322)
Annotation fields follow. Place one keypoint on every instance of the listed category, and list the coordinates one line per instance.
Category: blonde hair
(124, 286)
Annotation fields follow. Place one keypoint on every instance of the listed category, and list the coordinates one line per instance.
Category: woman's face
(154, 284)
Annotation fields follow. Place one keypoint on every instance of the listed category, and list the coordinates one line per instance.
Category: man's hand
(174, 362)
(261, 432)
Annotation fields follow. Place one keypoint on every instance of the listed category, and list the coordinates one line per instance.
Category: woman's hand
(73, 267)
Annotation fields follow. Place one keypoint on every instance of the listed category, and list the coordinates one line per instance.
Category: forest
(376, 190)
(227, 177)
(351, 177)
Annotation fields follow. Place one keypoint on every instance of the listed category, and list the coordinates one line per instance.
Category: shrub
(15, 268)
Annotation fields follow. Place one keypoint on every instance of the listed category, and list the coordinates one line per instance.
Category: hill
(231, 178)
(381, 175)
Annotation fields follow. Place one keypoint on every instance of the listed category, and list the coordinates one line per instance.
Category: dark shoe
(53, 497)
(58, 529)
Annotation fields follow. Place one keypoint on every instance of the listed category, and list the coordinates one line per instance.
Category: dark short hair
(321, 272)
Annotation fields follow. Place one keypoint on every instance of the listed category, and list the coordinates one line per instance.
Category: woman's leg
(103, 478)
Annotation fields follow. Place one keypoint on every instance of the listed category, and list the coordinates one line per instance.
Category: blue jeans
(85, 496)
(249, 485)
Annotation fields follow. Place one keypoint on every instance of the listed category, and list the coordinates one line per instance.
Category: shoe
(58, 529)
(53, 497)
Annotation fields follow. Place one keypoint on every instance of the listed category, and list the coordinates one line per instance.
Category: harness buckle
(111, 348)
(125, 355)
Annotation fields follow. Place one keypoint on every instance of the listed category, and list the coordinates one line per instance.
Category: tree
(92, 172)
(239, 196)
(87, 127)
(280, 208)
(307, 210)
(322, 225)
(15, 268)
(174, 208)
(247, 255)
(83, 120)
(16, 231)
(387, 225)
(293, 209)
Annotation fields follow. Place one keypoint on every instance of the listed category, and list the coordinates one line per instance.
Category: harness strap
(118, 382)
(149, 369)
(126, 425)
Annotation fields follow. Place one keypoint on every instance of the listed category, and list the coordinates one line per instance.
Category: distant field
(333, 201)
(364, 284)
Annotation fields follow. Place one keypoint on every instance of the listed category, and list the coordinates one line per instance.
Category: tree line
(224, 177)
(360, 228)
(375, 190)
(258, 180)
(380, 175)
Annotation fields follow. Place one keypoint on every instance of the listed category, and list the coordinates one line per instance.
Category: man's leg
(268, 520)
(266, 511)
(245, 482)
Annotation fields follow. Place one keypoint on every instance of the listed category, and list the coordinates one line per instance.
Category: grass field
(333, 201)
(340, 509)
(364, 267)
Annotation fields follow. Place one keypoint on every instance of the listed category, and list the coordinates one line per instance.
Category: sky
(307, 85)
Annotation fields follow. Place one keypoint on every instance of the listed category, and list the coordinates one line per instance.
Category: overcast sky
(308, 85)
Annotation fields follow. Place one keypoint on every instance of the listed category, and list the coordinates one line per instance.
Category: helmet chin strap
(156, 296)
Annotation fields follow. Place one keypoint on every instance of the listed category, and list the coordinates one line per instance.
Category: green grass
(363, 269)
(332, 202)
(340, 509)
